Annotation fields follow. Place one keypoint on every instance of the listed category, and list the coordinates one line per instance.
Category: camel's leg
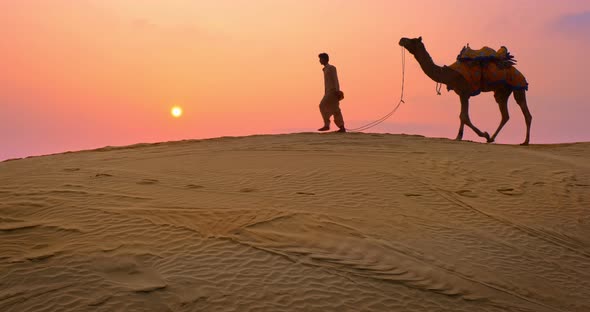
(465, 118)
(501, 97)
(461, 126)
(461, 123)
(520, 97)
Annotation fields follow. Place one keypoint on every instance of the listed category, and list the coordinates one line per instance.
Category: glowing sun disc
(176, 111)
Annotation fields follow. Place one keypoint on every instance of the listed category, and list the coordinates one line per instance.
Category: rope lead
(401, 100)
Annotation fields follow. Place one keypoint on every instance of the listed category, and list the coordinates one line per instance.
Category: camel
(455, 81)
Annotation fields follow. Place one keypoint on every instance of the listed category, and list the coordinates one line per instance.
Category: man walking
(330, 104)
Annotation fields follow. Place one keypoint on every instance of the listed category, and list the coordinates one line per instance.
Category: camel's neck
(432, 70)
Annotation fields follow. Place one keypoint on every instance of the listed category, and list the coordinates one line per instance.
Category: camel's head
(411, 44)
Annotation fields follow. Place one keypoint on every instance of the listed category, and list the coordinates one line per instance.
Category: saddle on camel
(486, 67)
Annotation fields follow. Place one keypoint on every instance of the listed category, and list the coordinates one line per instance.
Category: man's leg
(338, 119)
(325, 111)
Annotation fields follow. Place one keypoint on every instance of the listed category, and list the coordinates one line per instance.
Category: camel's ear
(420, 38)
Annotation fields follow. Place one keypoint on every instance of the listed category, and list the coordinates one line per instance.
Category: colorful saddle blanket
(486, 54)
(485, 68)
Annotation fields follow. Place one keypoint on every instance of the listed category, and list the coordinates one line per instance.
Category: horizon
(80, 75)
(248, 136)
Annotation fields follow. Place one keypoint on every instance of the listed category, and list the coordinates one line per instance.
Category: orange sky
(84, 74)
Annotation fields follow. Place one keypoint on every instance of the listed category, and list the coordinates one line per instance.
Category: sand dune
(301, 222)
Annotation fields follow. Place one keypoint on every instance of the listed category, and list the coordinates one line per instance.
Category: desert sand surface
(298, 222)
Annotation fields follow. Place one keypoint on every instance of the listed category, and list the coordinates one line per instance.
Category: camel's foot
(459, 138)
(487, 136)
(524, 143)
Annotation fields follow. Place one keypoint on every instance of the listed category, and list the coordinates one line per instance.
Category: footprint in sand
(103, 175)
(147, 181)
(131, 273)
(412, 195)
(194, 186)
(71, 169)
(510, 191)
(466, 193)
(40, 246)
(99, 300)
(248, 190)
(73, 185)
(305, 193)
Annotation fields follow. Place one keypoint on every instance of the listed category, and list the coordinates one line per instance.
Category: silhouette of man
(330, 104)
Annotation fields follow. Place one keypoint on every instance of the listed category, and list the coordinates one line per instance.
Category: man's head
(324, 58)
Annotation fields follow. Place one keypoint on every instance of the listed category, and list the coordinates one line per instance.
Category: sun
(176, 111)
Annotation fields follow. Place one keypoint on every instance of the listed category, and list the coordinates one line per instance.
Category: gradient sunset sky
(81, 74)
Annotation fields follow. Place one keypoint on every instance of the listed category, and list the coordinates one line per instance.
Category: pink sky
(85, 74)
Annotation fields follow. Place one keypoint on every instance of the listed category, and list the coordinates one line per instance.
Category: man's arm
(334, 74)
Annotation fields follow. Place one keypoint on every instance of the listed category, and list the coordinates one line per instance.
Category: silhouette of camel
(458, 83)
